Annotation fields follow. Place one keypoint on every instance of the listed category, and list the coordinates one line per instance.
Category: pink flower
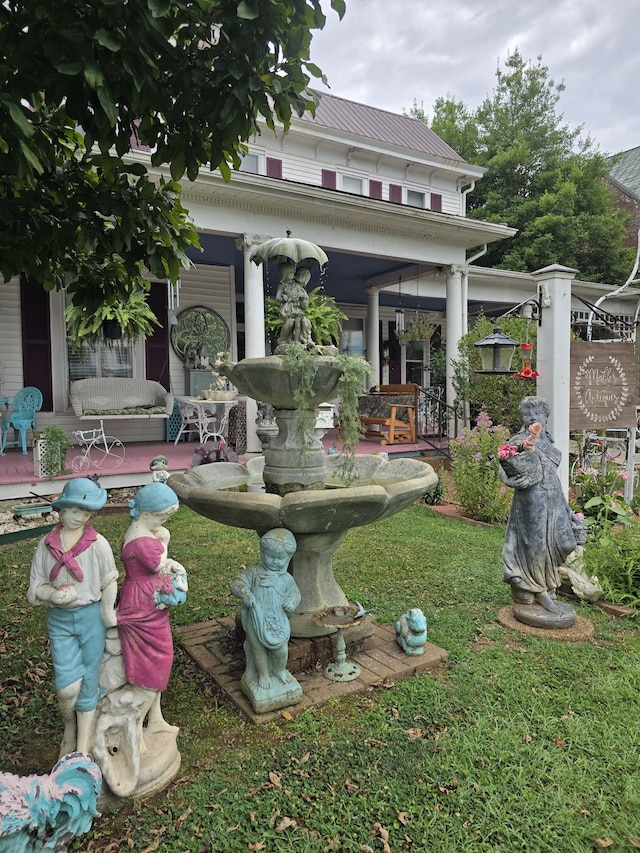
(624, 474)
(580, 515)
(165, 584)
(506, 450)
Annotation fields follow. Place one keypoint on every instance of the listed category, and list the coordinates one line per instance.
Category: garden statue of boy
(74, 573)
(269, 596)
(541, 530)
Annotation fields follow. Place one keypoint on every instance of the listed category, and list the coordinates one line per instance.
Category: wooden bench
(388, 412)
(118, 398)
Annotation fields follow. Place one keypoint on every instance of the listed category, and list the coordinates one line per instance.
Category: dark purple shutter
(156, 347)
(395, 193)
(36, 339)
(328, 179)
(436, 202)
(274, 168)
(375, 189)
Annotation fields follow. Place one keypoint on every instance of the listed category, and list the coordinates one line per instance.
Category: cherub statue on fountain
(269, 596)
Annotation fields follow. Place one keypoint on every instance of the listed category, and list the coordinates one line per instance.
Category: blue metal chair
(26, 403)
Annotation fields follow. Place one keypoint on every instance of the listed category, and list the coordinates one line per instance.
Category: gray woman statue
(542, 530)
(269, 596)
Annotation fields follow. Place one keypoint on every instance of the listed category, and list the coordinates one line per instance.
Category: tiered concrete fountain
(304, 490)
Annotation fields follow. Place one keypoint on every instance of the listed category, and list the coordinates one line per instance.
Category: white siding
(10, 337)
(305, 167)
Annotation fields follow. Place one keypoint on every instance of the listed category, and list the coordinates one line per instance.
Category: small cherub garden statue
(74, 573)
(269, 596)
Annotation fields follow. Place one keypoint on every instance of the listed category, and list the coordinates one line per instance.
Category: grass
(519, 743)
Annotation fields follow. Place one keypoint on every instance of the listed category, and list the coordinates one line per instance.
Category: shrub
(433, 496)
(475, 471)
(614, 556)
(599, 497)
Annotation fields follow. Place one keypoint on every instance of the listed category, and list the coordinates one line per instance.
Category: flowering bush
(599, 497)
(475, 471)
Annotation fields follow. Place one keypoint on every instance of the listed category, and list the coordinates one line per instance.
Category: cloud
(389, 52)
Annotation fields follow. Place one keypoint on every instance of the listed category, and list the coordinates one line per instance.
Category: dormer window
(251, 164)
(416, 199)
(352, 184)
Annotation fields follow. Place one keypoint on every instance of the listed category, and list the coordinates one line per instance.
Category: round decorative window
(199, 332)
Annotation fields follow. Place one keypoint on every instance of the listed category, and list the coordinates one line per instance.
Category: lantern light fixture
(496, 352)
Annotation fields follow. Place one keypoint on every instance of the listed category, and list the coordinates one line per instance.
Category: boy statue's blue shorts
(77, 636)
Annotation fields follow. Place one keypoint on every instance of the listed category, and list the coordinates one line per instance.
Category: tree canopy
(80, 80)
(542, 177)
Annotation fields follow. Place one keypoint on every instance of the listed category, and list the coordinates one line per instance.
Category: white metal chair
(190, 415)
(207, 424)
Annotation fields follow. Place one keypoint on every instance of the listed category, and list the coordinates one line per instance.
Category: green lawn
(519, 744)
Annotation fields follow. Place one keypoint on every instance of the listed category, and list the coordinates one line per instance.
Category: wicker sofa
(114, 398)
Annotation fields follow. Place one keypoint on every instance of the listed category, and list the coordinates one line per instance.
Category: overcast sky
(387, 53)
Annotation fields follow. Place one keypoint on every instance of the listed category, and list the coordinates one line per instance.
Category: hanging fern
(134, 319)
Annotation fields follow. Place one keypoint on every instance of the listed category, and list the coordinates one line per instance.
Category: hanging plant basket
(111, 331)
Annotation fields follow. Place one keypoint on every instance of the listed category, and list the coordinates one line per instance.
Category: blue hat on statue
(81, 492)
(152, 498)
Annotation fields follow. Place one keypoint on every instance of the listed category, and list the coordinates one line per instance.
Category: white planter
(44, 466)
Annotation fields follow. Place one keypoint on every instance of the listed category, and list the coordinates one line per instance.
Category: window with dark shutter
(395, 193)
(274, 168)
(328, 179)
(375, 189)
(36, 339)
(436, 202)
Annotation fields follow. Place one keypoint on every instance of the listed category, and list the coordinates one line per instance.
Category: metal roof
(626, 169)
(374, 123)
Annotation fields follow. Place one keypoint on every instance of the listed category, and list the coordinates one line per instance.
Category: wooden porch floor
(18, 480)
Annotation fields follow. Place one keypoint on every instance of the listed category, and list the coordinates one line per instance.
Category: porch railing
(437, 422)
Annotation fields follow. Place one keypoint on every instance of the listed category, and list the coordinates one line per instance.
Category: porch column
(373, 335)
(253, 324)
(554, 353)
(454, 331)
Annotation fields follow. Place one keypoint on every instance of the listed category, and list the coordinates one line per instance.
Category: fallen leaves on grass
(286, 823)
(383, 835)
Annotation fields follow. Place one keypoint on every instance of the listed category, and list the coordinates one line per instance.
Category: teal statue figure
(269, 596)
(541, 530)
(411, 631)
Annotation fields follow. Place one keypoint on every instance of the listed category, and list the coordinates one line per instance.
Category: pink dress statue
(152, 582)
(144, 630)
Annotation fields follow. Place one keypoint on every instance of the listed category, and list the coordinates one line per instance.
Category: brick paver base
(216, 647)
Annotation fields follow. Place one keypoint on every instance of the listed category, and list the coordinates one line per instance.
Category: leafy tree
(542, 177)
(81, 79)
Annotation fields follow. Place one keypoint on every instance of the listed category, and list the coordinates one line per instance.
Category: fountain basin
(318, 518)
(268, 379)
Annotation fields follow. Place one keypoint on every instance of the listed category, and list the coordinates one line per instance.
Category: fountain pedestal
(288, 466)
